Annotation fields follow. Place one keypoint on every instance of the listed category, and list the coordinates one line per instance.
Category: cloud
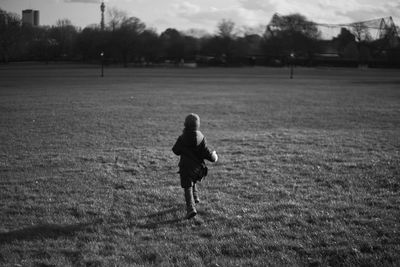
(186, 8)
(213, 15)
(206, 14)
(320, 11)
(325, 11)
(83, 1)
(242, 12)
(369, 10)
(258, 5)
(329, 11)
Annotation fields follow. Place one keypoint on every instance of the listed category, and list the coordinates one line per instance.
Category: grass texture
(309, 169)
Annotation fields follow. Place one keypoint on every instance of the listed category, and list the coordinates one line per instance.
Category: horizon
(205, 16)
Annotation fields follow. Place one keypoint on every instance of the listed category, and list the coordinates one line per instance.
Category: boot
(196, 194)
(190, 208)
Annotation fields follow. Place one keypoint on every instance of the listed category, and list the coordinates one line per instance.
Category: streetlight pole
(102, 64)
(291, 64)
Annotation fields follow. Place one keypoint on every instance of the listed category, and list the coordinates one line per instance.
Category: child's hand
(214, 156)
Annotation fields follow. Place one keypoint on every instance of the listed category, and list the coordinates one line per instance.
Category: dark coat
(191, 146)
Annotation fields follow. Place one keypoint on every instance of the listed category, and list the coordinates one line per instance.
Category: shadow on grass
(161, 218)
(44, 231)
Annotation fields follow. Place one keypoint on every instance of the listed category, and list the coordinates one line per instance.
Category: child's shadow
(43, 231)
(164, 217)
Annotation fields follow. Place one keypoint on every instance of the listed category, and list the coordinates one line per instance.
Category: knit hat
(192, 122)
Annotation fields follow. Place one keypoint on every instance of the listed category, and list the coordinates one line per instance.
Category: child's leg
(190, 206)
(196, 193)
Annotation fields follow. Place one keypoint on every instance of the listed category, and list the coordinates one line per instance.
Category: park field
(308, 175)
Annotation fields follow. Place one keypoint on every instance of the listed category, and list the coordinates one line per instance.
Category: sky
(206, 14)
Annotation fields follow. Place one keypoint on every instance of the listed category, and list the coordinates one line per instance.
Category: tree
(116, 17)
(197, 33)
(252, 47)
(343, 40)
(225, 39)
(173, 44)
(38, 44)
(293, 23)
(65, 35)
(361, 32)
(10, 33)
(91, 42)
(150, 45)
(226, 29)
(362, 35)
(291, 33)
(191, 47)
(126, 38)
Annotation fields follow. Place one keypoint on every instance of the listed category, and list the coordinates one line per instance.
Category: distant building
(31, 17)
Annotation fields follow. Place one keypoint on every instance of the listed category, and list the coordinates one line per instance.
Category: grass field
(309, 170)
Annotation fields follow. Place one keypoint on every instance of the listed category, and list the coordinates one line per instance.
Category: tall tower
(102, 8)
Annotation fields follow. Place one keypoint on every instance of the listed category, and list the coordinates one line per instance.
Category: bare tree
(65, 35)
(362, 35)
(116, 17)
(126, 37)
(226, 29)
(360, 31)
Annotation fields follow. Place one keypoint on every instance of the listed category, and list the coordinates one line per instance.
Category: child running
(192, 148)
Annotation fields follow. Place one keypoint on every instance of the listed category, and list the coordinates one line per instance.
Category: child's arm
(206, 152)
(177, 147)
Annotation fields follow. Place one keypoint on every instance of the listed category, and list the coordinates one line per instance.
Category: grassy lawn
(309, 170)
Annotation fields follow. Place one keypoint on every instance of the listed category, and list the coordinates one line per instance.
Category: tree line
(127, 40)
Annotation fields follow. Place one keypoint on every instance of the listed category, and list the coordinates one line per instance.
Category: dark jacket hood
(192, 122)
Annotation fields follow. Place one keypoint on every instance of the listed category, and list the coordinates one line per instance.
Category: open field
(309, 170)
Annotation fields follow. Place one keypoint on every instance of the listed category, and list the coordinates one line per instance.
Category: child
(192, 148)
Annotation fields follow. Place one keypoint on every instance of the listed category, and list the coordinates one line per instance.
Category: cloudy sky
(205, 14)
